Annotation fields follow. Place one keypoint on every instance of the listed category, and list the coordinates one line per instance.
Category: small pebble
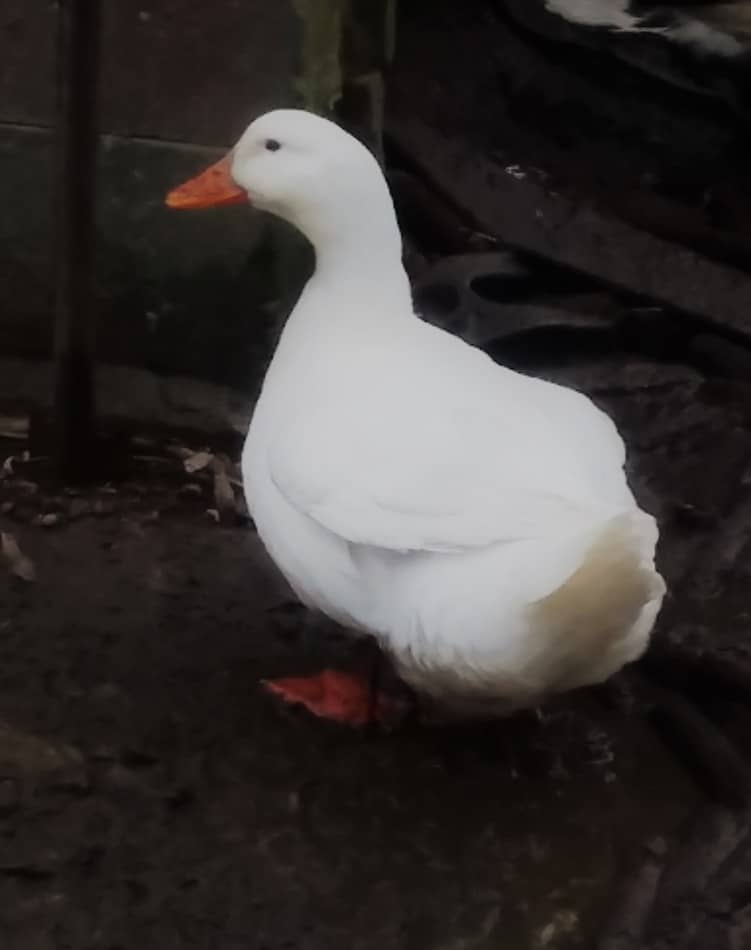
(49, 520)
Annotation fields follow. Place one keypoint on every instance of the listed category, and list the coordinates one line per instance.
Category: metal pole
(74, 311)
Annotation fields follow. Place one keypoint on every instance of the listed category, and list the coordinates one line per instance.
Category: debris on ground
(14, 427)
(16, 561)
(161, 470)
(197, 462)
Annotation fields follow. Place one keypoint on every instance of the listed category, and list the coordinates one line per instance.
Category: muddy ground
(153, 796)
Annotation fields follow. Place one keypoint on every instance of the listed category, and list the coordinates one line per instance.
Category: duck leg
(337, 695)
(355, 699)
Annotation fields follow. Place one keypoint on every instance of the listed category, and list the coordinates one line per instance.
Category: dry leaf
(181, 451)
(224, 496)
(197, 462)
(18, 564)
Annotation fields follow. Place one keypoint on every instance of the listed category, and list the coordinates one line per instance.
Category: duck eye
(271, 145)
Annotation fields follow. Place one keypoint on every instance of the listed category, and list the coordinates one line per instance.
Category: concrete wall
(192, 294)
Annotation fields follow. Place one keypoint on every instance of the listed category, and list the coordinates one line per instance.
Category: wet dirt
(153, 796)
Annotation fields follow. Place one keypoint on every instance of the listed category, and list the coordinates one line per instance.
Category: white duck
(476, 521)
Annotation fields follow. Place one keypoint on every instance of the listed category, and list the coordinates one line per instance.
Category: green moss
(343, 41)
(319, 80)
(389, 30)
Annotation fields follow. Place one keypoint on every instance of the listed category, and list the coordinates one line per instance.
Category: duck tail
(601, 617)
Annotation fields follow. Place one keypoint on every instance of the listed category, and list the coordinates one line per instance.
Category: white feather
(477, 521)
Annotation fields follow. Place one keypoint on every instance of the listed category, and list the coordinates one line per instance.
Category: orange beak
(211, 188)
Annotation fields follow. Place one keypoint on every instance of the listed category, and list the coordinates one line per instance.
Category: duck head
(302, 168)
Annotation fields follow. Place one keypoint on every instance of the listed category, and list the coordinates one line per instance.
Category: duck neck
(359, 257)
